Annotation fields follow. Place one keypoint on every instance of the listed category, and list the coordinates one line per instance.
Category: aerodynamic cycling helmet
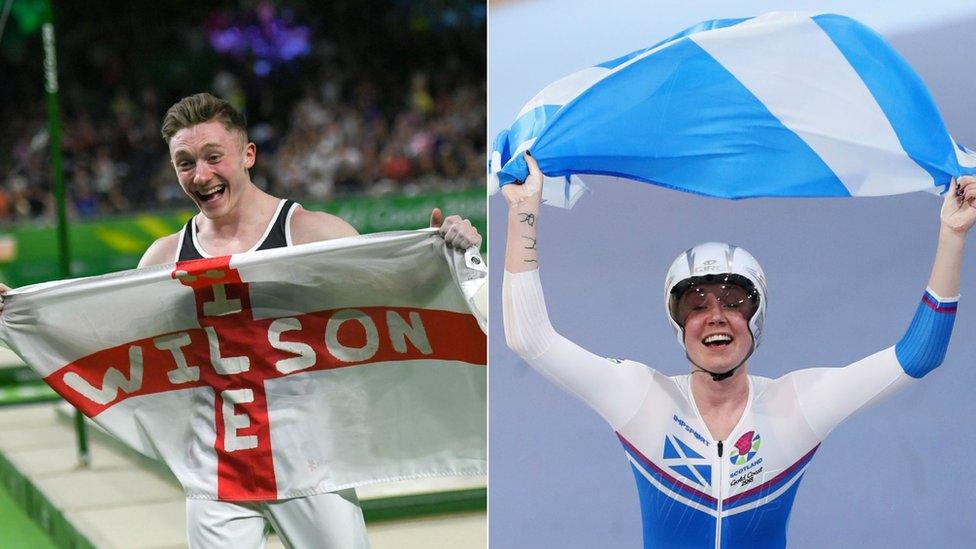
(716, 263)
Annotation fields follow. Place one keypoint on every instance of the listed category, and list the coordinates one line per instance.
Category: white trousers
(332, 520)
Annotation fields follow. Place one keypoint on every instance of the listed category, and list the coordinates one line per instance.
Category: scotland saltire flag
(783, 104)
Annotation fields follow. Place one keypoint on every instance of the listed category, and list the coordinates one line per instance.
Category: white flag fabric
(782, 104)
(277, 373)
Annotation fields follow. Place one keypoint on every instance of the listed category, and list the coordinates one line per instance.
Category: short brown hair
(200, 108)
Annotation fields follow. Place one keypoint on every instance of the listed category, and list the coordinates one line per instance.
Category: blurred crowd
(335, 147)
(347, 97)
(332, 144)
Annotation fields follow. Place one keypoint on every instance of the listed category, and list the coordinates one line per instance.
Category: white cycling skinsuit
(695, 491)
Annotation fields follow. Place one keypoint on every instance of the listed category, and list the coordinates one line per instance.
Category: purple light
(269, 39)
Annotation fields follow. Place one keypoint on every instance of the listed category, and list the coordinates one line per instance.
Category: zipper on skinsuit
(718, 497)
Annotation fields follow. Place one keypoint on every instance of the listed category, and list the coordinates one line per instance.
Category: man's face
(716, 322)
(211, 163)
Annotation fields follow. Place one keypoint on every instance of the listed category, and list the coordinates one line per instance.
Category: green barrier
(28, 254)
(424, 505)
(26, 394)
(19, 532)
(33, 502)
(17, 374)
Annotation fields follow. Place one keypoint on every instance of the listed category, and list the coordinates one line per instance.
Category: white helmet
(716, 262)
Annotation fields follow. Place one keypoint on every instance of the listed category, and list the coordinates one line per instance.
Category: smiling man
(718, 454)
(211, 154)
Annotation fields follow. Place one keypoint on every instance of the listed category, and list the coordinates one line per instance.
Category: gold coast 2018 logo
(745, 448)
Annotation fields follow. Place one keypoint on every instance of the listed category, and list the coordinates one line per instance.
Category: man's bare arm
(309, 226)
(161, 251)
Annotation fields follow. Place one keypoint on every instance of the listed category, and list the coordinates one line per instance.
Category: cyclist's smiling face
(716, 322)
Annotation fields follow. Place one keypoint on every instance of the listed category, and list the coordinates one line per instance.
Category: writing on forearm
(530, 247)
(521, 251)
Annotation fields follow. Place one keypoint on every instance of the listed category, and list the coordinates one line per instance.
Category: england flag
(277, 373)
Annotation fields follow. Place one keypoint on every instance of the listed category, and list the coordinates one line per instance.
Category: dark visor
(733, 293)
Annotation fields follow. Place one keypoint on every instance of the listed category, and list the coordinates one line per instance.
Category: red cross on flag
(277, 373)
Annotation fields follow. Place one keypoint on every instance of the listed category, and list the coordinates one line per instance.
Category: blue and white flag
(783, 104)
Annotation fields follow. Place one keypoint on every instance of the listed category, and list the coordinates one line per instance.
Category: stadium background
(845, 276)
(372, 110)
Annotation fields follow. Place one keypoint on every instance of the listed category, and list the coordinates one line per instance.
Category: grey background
(845, 276)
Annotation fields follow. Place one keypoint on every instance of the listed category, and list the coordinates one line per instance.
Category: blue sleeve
(924, 345)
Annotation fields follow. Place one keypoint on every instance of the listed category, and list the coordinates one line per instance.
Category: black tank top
(277, 235)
